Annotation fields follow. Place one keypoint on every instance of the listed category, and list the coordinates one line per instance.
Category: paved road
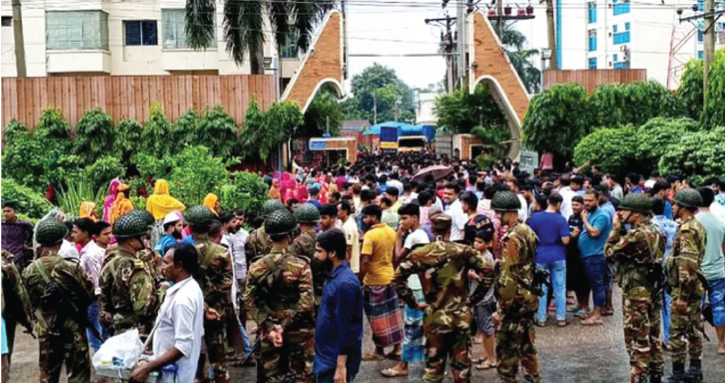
(567, 355)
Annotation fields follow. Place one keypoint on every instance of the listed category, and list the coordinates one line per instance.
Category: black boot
(678, 373)
(694, 374)
(655, 379)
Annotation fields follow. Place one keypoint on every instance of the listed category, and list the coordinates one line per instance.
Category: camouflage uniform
(442, 268)
(215, 279)
(128, 294)
(258, 245)
(62, 339)
(304, 247)
(683, 268)
(280, 292)
(635, 252)
(517, 305)
(16, 305)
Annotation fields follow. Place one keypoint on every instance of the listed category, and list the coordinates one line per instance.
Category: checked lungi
(382, 309)
(413, 349)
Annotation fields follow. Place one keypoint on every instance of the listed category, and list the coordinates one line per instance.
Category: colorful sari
(274, 192)
(161, 203)
(121, 206)
(110, 199)
(210, 201)
(88, 210)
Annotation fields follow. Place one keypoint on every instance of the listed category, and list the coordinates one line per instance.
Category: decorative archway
(490, 66)
(323, 63)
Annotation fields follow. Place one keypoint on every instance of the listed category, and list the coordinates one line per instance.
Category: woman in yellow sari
(88, 210)
(161, 203)
(212, 202)
(122, 205)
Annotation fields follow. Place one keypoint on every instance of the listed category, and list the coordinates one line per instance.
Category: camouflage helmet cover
(505, 201)
(145, 215)
(130, 226)
(636, 202)
(307, 213)
(280, 222)
(271, 206)
(50, 231)
(441, 222)
(199, 216)
(689, 198)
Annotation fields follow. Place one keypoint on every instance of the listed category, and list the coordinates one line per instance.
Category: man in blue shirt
(659, 190)
(172, 228)
(339, 328)
(597, 226)
(314, 197)
(669, 228)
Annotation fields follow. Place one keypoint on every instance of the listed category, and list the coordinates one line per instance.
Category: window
(592, 40)
(614, 28)
(593, 63)
(76, 30)
(626, 26)
(7, 21)
(592, 12)
(700, 55)
(700, 5)
(615, 58)
(620, 7)
(173, 32)
(622, 65)
(720, 26)
(700, 36)
(289, 48)
(141, 32)
(621, 38)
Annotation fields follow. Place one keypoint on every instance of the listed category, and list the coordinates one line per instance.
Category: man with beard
(172, 228)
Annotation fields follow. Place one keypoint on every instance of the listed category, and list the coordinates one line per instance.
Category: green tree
(323, 111)
(263, 133)
(615, 150)
(690, 90)
(636, 103)
(379, 85)
(128, 137)
(156, 134)
(215, 130)
(461, 111)
(95, 135)
(245, 23)
(246, 191)
(557, 120)
(521, 58)
(697, 155)
(714, 111)
(655, 137)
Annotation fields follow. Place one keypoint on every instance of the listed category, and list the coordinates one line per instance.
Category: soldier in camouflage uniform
(635, 253)
(442, 267)
(128, 294)
(686, 288)
(280, 298)
(259, 243)
(60, 293)
(303, 246)
(517, 302)
(215, 279)
(16, 305)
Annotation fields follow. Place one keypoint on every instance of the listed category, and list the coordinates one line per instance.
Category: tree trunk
(19, 40)
(256, 60)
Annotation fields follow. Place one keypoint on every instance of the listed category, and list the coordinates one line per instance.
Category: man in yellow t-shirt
(380, 299)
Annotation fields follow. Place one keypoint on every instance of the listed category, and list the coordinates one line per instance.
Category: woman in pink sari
(110, 199)
(287, 187)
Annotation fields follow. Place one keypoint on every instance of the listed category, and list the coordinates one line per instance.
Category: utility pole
(709, 46)
(461, 24)
(343, 8)
(375, 108)
(449, 59)
(19, 39)
(553, 64)
(499, 12)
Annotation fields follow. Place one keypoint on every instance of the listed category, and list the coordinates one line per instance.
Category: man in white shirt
(180, 323)
(352, 234)
(566, 194)
(455, 210)
(513, 184)
(84, 230)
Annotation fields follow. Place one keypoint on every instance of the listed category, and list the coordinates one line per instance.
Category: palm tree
(244, 22)
(513, 44)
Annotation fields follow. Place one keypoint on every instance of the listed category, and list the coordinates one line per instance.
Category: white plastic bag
(124, 348)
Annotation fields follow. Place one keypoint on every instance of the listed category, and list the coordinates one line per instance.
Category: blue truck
(405, 137)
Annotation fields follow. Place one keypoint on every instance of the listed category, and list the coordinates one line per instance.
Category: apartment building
(121, 37)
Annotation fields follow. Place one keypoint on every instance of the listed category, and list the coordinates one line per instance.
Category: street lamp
(545, 55)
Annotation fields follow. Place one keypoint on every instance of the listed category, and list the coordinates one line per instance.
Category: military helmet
(307, 213)
(441, 222)
(636, 202)
(505, 201)
(199, 216)
(145, 215)
(50, 231)
(688, 198)
(271, 206)
(130, 226)
(280, 222)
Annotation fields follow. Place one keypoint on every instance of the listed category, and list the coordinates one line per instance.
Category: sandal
(539, 323)
(392, 373)
(590, 322)
(563, 323)
(607, 313)
(486, 365)
(373, 357)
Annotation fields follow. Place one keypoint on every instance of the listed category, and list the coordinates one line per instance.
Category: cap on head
(171, 217)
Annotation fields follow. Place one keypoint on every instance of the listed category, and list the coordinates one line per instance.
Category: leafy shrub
(461, 111)
(218, 131)
(485, 161)
(246, 191)
(263, 133)
(615, 150)
(24, 160)
(493, 136)
(323, 110)
(95, 135)
(714, 112)
(104, 170)
(617, 105)
(655, 137)
(53, 126)
(75, 193)
(13, 130)
(32, 204)
(138, 202)
(128, 136)
(156, 136)
(195, 173)
(690, 90)
(697, 155)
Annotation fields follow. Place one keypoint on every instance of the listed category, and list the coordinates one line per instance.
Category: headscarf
(274, 192)
(210, 201)
(121, 206)
(88, 210)
(161, 203)
(110, 198)
(287, 185)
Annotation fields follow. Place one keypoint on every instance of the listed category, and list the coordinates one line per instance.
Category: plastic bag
(119, 352)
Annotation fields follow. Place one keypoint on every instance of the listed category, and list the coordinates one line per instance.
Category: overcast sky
(397, 29)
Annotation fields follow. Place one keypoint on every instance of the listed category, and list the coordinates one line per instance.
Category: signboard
(528, 161)
(388, 145)
(318, 145)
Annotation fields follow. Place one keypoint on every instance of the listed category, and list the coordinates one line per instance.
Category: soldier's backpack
(64, 293)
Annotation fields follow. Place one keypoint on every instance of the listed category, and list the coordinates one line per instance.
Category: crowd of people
(438, 261)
